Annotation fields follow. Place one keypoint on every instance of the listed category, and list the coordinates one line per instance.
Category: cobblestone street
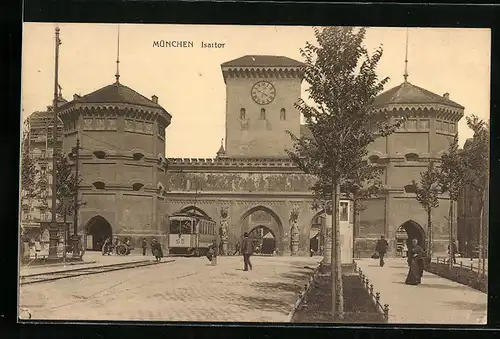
(436, 301)
(189, 289)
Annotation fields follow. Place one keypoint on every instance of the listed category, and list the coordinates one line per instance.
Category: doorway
(98, 229)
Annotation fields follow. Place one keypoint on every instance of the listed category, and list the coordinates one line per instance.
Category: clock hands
(267, 95)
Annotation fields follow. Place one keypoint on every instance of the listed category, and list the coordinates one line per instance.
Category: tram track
(72, 273)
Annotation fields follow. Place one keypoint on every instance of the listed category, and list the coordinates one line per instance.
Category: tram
(190, 234)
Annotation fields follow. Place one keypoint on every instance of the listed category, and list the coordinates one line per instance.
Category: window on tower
(283, 114)
(263, 114)
(243, 114)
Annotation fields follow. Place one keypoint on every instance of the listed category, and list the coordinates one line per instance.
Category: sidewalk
(91, 259)
(436, 301)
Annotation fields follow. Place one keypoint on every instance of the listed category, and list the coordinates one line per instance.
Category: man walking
(454, 250)
(144, 246)
(247, 250)
(381, 248)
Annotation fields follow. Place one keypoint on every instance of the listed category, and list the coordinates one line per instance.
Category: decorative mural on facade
(244, 182)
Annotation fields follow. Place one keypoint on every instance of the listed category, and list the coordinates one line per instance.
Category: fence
(471, 267)
(381, 309)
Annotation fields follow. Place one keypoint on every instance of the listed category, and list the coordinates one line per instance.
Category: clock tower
(261, 92)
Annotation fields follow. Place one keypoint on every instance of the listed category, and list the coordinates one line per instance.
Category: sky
(189, 83)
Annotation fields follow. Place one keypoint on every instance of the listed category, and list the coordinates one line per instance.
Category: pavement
(90, 259)
(189, 289)
(436, 301)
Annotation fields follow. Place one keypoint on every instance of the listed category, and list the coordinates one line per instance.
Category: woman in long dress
(416, 263)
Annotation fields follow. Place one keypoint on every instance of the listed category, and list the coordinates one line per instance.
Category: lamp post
(53, 225)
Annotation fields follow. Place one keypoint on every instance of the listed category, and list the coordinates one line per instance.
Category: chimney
(76, 97)
(154, 98)
(446, 95)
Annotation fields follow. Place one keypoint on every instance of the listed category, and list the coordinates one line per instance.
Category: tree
(28, 169)
(476, 159)
(342, 83)
(451, 179)
(427, 194)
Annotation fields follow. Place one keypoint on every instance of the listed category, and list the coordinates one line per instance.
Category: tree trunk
(354, 232)
(65, 234)
(429, 233)
(450, 239)
(480, 266)
(337, 290)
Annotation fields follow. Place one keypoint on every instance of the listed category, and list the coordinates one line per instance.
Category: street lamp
(53, 228)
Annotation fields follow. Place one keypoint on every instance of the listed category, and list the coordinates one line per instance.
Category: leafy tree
(427, 194)
(451, 180)
(343, 83)
(28, 174)
(476, 158)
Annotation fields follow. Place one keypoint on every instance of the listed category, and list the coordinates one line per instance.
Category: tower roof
(406, 93)
(262, 61)
(116, 94)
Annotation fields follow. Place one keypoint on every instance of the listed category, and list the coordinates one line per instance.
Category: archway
(316, 237)
(408, 231)
(264, 240)
(97, 229)
(261, 217)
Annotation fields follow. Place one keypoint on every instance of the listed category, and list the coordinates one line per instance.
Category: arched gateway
(265, 224)
(408, 231)
(97, 229)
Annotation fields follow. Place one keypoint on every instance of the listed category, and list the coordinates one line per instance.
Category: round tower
(121, 156)
(430, 124)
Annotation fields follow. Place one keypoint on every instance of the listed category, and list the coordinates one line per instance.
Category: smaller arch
(99, 229)
(99, 185)
(100, 155)
(411, 156)
(264, 239)
(243, 113)
(137, 186)
(262, 114)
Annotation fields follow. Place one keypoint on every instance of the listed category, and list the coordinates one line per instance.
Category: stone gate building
(130, 187)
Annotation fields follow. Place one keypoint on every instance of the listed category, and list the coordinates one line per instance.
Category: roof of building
(117, 93)
(221, 150)
(262, 61)
(407, 93)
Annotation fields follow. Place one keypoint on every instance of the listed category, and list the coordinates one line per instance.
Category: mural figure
(224, 222)
(294, 230)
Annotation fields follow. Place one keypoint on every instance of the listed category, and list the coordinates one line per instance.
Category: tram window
(175, 226)
(344, 211)
(186, 227)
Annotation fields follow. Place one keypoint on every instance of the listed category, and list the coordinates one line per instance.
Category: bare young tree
(427, 194)
(343, 82)
(451, 180)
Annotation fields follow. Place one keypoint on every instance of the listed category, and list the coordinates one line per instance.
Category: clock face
(263, 92)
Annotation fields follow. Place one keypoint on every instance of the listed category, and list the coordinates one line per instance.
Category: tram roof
(191, 215)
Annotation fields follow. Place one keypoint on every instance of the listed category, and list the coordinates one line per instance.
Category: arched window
(262, 114)
(138, 156)
(283, 114)
(100, 154)
(243, 114)
(99, 185)
(137, 186)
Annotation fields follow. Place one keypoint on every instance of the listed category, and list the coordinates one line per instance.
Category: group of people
(415, 256)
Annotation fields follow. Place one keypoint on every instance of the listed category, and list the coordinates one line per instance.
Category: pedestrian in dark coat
(247, 250)
(156, 249)
(454, 250)
(144, 246)
(381, 248)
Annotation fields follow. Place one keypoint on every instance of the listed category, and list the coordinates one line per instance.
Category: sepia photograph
(242, 174)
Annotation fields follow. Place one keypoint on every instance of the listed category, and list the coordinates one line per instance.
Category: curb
(302, 295)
